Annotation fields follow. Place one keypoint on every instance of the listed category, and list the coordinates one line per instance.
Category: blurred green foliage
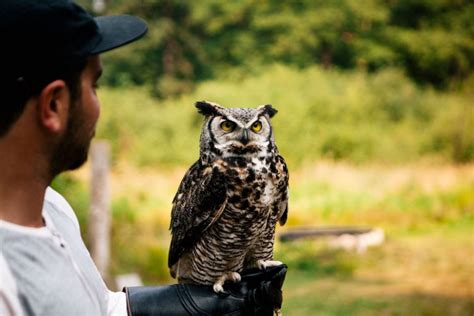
(355, 116)
(432, 41)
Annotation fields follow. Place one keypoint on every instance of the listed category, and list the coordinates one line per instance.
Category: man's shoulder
(56, 200)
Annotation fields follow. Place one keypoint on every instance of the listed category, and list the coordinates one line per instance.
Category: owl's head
(230, 132)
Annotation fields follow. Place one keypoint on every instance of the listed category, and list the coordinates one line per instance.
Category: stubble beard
(72, 150)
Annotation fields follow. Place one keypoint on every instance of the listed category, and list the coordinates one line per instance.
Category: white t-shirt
(49, 271)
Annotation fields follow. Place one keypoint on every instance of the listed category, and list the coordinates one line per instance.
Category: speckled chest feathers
(229, 202)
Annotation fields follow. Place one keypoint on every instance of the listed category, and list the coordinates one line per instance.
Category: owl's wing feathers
(199, 202)
(283, 188)
(284, 214)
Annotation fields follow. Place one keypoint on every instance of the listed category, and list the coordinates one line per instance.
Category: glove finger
(258, 275)
(278, 278)
(273, 295)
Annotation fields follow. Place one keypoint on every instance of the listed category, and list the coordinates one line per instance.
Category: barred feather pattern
(244, 233)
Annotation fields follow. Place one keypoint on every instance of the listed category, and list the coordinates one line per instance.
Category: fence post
(99, 215)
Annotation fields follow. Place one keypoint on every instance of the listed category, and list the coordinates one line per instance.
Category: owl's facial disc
(240, 137)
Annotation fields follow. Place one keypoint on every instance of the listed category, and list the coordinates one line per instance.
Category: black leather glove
(258, 293)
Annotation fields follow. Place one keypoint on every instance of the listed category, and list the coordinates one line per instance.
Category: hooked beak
(245, 137)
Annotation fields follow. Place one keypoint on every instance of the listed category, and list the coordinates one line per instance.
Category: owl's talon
(218, 287)
(235, 277)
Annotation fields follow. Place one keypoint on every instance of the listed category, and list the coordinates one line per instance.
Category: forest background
(375, 120)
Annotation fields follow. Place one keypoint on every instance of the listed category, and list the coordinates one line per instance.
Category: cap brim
(118, 30)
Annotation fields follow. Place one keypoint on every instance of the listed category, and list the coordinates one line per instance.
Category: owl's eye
(257, 126)
(228, 126)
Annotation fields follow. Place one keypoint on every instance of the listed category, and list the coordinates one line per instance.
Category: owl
(226, 209)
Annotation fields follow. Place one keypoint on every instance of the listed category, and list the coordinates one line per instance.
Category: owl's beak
(245, 137)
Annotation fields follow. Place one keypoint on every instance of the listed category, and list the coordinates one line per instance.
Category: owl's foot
(219, 285)
(263, 264)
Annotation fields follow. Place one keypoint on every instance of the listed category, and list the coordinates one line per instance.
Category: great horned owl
(225, 211)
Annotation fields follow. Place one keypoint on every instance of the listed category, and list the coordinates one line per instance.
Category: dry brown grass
(385, 179)
(425, 267)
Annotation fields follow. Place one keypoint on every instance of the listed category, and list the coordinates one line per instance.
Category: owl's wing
(283, 189)
(199, 202)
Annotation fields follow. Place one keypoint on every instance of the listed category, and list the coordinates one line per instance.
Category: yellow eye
(257, 126)
(228, 126)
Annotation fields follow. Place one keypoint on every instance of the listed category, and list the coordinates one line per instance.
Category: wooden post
(99, 216)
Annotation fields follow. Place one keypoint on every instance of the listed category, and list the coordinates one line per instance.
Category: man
(50, 66)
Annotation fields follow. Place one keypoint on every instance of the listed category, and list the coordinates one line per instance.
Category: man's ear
(53, 106)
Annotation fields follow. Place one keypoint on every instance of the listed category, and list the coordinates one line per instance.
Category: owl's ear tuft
(269, 110)
(207, 108)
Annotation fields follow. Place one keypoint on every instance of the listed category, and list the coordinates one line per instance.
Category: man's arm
(116, 301)
(259, 292)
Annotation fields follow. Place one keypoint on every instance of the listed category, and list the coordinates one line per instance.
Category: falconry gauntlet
(258, 293)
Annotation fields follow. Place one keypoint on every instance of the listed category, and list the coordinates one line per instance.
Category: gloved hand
(258, 293)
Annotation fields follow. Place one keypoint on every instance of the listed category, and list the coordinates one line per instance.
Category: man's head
(50, 67)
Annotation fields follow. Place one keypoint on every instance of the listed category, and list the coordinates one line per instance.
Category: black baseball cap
(47, 35)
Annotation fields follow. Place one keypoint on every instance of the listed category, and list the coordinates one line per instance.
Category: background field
(425, 267)
(375, 120)
(423, 201)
